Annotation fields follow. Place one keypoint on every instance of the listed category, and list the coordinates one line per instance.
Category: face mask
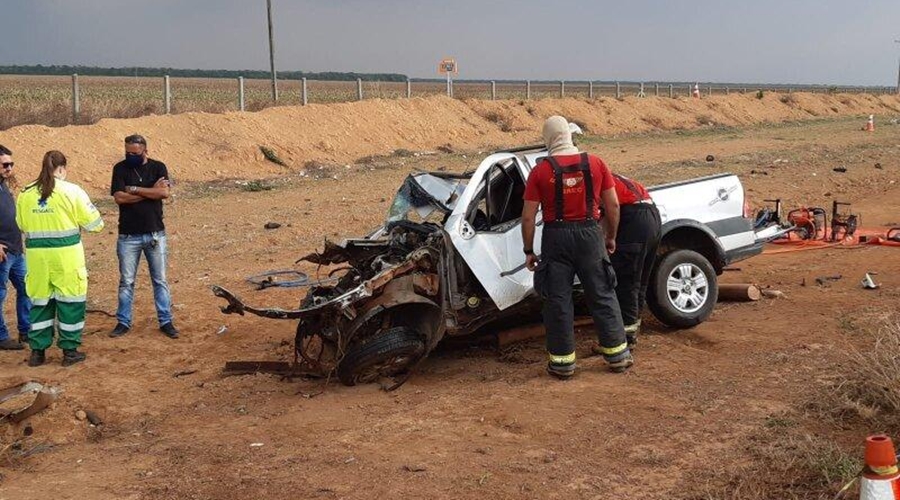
(134, 161)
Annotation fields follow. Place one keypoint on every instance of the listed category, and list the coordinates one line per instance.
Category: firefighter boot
(621, 362)
(561, 371)
(631, 333)
(561, 367)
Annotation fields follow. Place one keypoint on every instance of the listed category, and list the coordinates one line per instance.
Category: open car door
(485, 228)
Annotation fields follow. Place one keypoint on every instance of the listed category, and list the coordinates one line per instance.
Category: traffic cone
(696, 92)
(879, 479)
(870, 125)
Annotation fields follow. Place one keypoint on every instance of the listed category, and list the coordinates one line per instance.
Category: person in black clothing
(12, 257)
(569, 187)
(636, 244)
(139, 184)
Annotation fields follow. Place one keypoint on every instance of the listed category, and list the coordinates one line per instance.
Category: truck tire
(683, 289)
(390, 353)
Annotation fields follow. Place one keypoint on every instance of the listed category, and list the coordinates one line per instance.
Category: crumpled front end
(384, 284)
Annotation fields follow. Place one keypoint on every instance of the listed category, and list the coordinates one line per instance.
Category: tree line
(194, 73)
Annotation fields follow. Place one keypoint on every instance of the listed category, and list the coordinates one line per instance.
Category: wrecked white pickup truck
(448, 261)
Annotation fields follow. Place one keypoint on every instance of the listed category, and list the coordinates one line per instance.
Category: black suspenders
(584, 166)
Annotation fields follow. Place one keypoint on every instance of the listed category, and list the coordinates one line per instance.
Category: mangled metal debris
(21, 401)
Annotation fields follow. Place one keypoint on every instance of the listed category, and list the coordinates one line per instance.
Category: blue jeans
(13, 269)
(129, 249)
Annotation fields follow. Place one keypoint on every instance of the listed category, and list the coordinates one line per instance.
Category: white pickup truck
(448, 262)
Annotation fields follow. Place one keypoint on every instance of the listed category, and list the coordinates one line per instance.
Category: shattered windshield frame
(425, 198)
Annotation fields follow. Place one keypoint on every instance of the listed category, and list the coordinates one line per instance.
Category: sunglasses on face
(9, 165)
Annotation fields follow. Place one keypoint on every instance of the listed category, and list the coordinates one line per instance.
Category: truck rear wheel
(391, 352)
(683, 289)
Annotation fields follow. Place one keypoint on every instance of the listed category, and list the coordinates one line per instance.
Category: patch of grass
(760, 94)
(705, 121)
(272, 156)
(499, 120)
(847, 324)
(775, 422)
(788, 99)
(256, 186)
(874, 381)
(783, 466)
(654, 121)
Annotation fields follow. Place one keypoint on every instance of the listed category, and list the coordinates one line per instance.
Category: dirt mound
(200, 146)
(608, 116)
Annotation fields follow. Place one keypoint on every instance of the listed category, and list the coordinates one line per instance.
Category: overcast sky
(767, 41)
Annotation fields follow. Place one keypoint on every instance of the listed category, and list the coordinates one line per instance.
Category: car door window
(498, 206)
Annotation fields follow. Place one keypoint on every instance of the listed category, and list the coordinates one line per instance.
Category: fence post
(591, 90)
(304, 91)
(709, 91)
(167, 91)
(743, 90)
(727, 90)
(641, 91)
(241, 93)
(671, 91)
(657, 90)
(562, 89)
(618, 91)
(408, 89)
(527, 89)
(359, 92)
(493, 90)
(790, 90)
(76, 99)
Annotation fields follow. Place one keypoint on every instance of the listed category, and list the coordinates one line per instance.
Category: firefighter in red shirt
(636, 244)
(569, 186)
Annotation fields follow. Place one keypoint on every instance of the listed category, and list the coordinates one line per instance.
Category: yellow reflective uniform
(56, 277)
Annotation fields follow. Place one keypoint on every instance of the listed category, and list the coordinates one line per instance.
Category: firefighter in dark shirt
(570, 186)
(636, 244)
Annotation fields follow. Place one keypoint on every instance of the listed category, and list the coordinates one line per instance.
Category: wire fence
(66, 100)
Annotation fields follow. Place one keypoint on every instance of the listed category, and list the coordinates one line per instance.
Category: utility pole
(272, 53)
(898, 70)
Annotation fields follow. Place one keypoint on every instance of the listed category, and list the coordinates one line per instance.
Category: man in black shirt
(139, 184)
(12, 257)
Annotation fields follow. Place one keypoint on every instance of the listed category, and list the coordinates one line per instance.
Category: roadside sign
(448, 66)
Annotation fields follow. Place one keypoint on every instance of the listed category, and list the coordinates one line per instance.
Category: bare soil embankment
(202, 147)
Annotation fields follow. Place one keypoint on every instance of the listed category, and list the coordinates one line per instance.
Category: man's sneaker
(72, 356)
(37, 358)
(561, 371)
(169, 330)
(11, 345)
(23, 338)
(622, 364)
(119, 330)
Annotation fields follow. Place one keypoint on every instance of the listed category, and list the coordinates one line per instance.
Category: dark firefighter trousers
(569, 249)
(636, 245)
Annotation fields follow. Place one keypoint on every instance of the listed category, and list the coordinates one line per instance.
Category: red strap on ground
(862, 237)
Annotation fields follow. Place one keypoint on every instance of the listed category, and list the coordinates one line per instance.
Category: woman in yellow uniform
(51, 212)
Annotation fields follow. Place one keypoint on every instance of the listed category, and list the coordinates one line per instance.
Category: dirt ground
(473, 422)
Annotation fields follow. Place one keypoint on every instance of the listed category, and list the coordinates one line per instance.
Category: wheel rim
(388, 367)
(687, 288)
